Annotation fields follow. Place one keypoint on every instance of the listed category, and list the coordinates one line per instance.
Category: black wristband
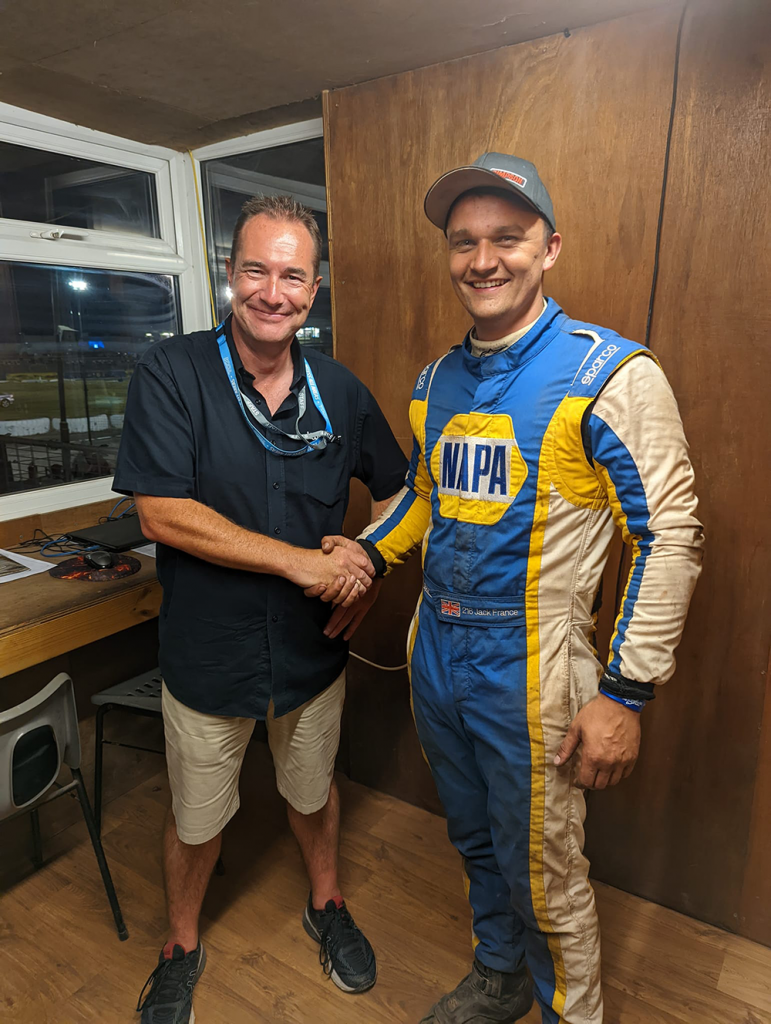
(628, 689)
(375, 557)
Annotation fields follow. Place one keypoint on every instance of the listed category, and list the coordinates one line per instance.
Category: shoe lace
(164, 983)
(339, 933)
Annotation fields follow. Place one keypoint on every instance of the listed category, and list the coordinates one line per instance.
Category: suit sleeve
(641, 456)
(403, 525)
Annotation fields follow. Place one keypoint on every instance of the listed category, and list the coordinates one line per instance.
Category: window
(53, 188)
(69, 341)
(97, 262)
(296, 169)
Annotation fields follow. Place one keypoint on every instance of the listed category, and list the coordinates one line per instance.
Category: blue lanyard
(315, 441)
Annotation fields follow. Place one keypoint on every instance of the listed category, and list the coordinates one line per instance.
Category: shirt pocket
(326, 475)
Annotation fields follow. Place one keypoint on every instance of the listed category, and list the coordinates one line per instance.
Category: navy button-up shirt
(232, 640)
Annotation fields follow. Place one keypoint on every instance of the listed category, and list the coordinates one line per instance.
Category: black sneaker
(170, 999)
(345, 955)
(485, 996)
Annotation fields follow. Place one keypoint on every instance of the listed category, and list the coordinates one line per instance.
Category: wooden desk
(41, 617)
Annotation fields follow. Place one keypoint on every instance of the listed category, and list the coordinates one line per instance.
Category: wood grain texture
(402, 881)
(755, 912)
(41, 617)
(692, 828)
(589, 110)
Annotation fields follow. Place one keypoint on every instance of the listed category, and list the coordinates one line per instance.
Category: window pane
(297, 170)
(69, 341)
(65, 190)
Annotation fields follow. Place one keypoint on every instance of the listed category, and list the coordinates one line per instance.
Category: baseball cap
(491, 170)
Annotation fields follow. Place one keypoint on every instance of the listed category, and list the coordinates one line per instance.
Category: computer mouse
(98, 559)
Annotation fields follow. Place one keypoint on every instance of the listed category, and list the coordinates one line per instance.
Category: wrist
(288, 561)
(616, 685)
(379, 563)
(626, 702)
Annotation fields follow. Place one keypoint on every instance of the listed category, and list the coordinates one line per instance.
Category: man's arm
(197, 529)
(402, 524)
(398, 525)
(641, 457)
(348, 617)
(388, 541)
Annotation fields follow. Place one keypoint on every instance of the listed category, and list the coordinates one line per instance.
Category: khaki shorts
(204, 754)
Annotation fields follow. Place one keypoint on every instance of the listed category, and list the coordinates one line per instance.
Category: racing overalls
(522, 462)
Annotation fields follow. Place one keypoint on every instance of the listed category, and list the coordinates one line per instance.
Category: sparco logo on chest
(598, 364)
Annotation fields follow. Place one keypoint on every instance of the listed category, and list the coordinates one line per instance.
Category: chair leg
(101, 860)
(37, 844)
(98, 752)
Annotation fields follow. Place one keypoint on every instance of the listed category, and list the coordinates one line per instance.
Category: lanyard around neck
(314, 441)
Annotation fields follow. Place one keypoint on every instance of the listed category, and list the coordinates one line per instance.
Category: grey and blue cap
(491, 170)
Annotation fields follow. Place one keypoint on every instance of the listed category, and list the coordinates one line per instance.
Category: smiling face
(272, 281)
(498, 254)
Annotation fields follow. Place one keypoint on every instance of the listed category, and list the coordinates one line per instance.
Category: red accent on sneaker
(168, 949)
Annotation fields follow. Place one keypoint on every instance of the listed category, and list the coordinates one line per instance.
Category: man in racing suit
(531, 440)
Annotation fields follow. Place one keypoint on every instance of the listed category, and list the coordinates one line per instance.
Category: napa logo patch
(477, 467)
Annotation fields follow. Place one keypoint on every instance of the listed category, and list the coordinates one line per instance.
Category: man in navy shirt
(239, 448)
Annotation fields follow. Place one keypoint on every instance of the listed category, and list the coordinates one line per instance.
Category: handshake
(341, 574)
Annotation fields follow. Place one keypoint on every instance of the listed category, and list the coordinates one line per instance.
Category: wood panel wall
(693, 828)
(591, 108)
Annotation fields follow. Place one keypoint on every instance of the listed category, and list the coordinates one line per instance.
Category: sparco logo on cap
(510, 176)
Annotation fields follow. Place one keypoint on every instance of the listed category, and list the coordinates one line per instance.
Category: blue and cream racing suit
(523, 461)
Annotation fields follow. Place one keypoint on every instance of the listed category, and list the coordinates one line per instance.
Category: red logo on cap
(510, 176)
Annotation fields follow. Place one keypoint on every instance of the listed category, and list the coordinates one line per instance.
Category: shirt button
(277, 529)
(276, 486)
(274, 618)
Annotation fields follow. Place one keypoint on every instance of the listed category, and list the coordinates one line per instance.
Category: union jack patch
(451, 608)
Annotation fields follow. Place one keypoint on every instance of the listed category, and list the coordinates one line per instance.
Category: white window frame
(267, 139)
(180, 250)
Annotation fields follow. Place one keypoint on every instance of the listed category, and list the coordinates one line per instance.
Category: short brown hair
(278, 208)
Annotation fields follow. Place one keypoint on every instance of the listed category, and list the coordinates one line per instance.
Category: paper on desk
(14, 566)
(146, 549)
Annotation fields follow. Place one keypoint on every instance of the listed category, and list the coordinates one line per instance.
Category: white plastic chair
(36, 738)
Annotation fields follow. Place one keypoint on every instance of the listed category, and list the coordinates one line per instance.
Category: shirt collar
(539, 335)
(247, 379)
(489, 348)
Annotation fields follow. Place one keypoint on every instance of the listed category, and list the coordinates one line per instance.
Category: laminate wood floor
(61, 961)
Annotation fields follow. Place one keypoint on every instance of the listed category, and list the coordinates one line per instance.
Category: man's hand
(350, 618)
(338, 576)
(337, 593)
(609, 736)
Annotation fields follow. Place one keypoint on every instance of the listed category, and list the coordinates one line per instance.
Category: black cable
(665, 177)
(657, 246)
(58, 546)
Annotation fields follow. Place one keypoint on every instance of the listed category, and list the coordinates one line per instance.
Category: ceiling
(184, 73)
